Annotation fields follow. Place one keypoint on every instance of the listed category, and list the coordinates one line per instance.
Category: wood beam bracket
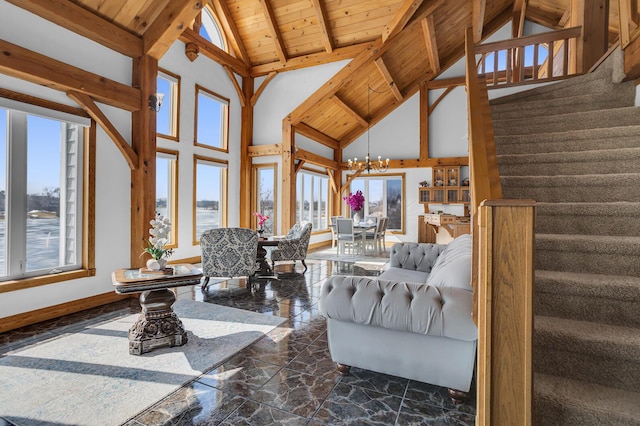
(263, 86)
(239, 91)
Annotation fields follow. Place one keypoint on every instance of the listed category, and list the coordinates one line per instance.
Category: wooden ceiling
(396, 45)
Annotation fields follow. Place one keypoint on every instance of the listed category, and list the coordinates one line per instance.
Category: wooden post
(424, 122)
(505, 312)
(593, 17)
(336, 206)
(143, 141)
(288, 217)
(246, 140)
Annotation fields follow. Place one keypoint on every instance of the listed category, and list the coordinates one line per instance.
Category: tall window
(167, 118)
(167, 189)
(312, 195)
(384, 196)
(210, 195)
(41, 201)
(212, 119)
(210, 29)
(265, 202)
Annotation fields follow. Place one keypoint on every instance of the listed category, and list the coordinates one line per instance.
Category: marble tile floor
(285, 378)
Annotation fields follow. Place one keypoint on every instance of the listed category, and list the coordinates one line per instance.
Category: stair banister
(502, 271)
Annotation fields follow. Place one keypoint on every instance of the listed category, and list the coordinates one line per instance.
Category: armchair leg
(305, 266)
(205, 283)
(343, 369)
(457, 396)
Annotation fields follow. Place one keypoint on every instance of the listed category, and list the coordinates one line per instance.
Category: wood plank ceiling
(397, 45)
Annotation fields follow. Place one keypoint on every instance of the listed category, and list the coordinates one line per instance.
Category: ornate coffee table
(158, 325)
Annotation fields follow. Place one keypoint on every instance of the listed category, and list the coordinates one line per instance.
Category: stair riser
(550, 412)
(563, 123)
(587, 262)
(591, 140)
(628, 165)
(606, 371)
(584, 224)
(569, 193)
(581, 308)
(543, 108)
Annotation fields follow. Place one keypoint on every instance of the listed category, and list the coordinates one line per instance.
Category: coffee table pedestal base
(157, 325)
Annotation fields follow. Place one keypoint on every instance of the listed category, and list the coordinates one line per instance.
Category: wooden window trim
(175, 106)
(225, 120)
(174, 200)
(254, 188)
(224, 196)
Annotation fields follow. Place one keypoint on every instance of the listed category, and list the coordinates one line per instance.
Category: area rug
(89, 378)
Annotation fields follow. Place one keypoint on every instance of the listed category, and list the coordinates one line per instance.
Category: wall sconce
(155, 101)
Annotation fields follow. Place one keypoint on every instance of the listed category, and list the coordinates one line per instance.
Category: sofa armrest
(417, 308)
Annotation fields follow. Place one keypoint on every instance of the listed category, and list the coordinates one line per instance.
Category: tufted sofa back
(415, 256)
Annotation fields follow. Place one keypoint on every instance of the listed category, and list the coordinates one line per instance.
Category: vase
(357, 218)
(260, 233)
(156, 264)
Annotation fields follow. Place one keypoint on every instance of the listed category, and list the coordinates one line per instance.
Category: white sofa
(413, 321)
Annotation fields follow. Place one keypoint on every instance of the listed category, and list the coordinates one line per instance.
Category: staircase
(574, 147)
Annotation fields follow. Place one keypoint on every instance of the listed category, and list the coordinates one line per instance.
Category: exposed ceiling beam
(81, 21)
(446, 82)
(34, 67)
(564, 20)
(236, 85)
(92, 109)
(400, 18)
(263, 86)
(386, 74)
(273, 30)
(214, 53)
(517, 23)
(322, 22)
(32, 100)
(310, 157)
(299, 62)
(478, 19)
(311, 133)
(168, 26)
(264, 150)
(231, 30)
(349, 111)
(429, 31)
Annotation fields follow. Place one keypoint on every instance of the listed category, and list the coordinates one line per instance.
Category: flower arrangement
(160, 229)
(261, 219)
(355, 201)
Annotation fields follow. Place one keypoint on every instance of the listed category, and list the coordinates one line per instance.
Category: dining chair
(382, 234)
(374, 239)
(373, 220)
(347, 236)
(334, 232)
(228, 253)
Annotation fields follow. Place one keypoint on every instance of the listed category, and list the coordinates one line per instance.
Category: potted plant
(355, 203)
(159, 238)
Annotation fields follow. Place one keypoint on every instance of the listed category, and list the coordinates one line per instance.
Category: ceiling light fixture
(380, 165)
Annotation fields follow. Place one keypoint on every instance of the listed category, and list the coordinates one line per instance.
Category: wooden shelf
(446, 188)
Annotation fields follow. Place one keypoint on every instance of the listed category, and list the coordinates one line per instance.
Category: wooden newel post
(505, 312)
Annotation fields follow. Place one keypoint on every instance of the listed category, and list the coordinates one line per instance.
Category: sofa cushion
(414, 256)
(418, 308)
(404, 275)
(453, 266)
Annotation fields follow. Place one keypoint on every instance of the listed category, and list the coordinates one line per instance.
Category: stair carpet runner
(574, 147)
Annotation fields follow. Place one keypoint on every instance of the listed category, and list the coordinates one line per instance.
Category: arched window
(210, 29)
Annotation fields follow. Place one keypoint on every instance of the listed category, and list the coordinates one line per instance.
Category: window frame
(174, 104)
(214, 17)
(384, 176)
(87, 209)
(255, 188)
(173, 198)
(320, 175)
(224, 121)
(224, 192)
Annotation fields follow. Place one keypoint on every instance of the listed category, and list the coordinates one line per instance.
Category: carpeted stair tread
(625, 160)
(566, 402)
(628, 116)
(588, 338)
(573, 188)
(615, 218)
(609, 299)
(593, 285)
(571, 140)
(617, 98)
(621, 245)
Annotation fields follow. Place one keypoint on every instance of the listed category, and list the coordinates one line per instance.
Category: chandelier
(380, 165)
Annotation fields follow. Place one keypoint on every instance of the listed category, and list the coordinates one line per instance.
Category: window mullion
(16, 217)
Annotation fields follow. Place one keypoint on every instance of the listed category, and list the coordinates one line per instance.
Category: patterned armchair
(294, 245)
(228, 253)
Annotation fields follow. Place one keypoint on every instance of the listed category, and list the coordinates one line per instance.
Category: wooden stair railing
(502, 271)
(504, 63)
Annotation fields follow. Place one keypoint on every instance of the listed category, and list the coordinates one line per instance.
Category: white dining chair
(347, 237)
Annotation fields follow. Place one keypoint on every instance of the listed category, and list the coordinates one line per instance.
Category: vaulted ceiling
(396, 45)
